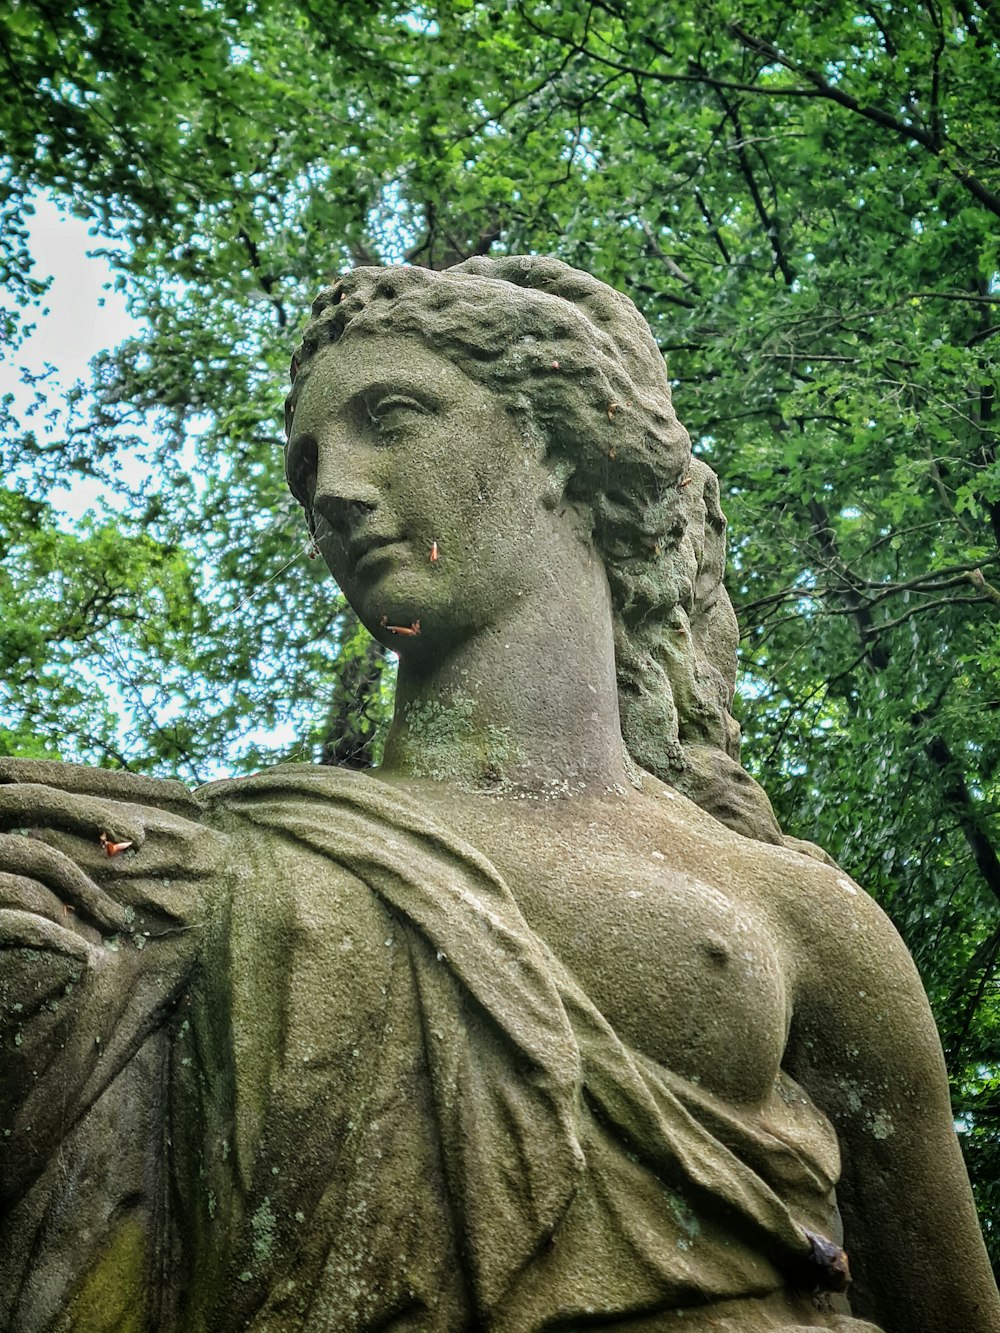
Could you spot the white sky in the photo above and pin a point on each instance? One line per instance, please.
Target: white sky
(90, 317)
(78, 317)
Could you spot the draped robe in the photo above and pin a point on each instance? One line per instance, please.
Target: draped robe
(348, 1088)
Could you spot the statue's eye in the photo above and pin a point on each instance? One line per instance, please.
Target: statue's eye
(392, 413)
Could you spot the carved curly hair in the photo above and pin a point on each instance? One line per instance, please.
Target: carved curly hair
(574, 358)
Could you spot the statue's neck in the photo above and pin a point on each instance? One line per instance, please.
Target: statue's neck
(530, 702)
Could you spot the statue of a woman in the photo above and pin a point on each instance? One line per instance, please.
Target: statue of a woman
(540, 1026)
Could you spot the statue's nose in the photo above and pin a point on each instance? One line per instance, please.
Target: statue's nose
(346, 491)
(345, 514)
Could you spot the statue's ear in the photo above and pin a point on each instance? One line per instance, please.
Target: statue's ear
(560, 470)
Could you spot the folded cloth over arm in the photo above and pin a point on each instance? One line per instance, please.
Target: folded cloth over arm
(580, 1176)
(330, 1079)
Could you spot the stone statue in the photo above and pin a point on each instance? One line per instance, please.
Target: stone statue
(543, 1025)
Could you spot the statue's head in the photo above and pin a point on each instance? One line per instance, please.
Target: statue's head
(574, 367)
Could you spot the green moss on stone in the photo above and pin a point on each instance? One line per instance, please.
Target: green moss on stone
(111, 1296)
(440, 729)
(264, 1225)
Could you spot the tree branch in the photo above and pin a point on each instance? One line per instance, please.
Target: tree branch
(905, 129)
(673, 268)
(956, 792)
(769, 221)
(713, 229)
(876, 654)
(701, 77)
(266, 280)
(883, 625)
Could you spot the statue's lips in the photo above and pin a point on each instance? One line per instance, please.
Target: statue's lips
(371, 549)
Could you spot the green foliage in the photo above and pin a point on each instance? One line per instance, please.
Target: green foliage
(805, 201)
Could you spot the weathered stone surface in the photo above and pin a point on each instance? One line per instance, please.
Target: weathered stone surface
(529, 1029)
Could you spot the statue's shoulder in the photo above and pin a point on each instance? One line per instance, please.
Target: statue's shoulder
(314, 797)
(742, 844)
(290, 781)
(115, 784)
(797, 886)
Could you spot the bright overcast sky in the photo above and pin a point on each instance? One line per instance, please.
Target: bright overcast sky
(85, 317)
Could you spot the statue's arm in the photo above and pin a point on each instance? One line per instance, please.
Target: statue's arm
(93, 947)
(865, 1046)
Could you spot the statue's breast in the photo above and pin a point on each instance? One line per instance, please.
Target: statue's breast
(666, 938)
(683, 970)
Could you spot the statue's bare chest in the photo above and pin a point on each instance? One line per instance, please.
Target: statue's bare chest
(681, 962)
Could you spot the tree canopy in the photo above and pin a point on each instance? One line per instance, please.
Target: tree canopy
(804, 201)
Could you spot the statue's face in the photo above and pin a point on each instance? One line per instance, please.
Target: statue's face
(428, 497)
